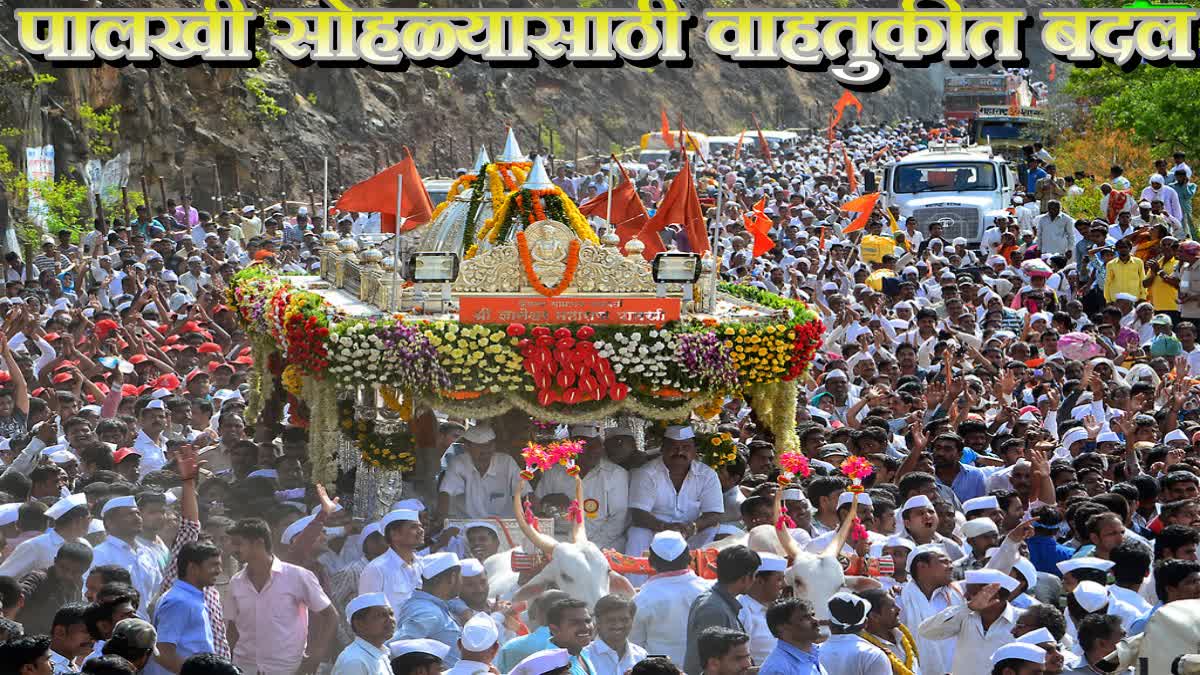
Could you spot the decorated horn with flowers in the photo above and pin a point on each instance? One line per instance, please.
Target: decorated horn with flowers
(575, 513)
(793, 463)
(857, 468)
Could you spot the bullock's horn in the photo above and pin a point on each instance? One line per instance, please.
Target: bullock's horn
(546, 544)
(843, 533)
(578, 530)
(790, 549)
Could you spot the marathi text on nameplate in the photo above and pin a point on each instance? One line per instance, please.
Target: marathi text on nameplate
(581, 310)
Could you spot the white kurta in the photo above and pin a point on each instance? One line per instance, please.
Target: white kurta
(33, 554)
(605, 661)
(660, 624)
(142, 563)
(915, 608)
(973, 646)
(154, 457)
(754, 623)
(362, 658)
(489, 495)
(651, 490)
(390, 575)
(1131, 598)
(898, 650)
(852, 655)
(605, 500)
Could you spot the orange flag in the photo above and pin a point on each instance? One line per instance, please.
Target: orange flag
(666, 129)
(863, 206)
(847, 99)
(680, 205)
(628, 213)
(738, 153)
(759, 225)
(377, 194)
(1053, 71)
(762, 141)
(849, 171)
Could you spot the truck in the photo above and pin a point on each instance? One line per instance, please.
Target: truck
(963, 188)
(963, 95)
(1000, 128)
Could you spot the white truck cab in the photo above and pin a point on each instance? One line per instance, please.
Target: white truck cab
(963, 188)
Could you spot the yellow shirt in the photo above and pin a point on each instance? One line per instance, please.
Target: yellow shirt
(1162, 295)
(1124, 277)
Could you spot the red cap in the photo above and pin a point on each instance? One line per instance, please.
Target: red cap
(193, 374)
(220, 308)
(51, 337)
(104, 327)
(190, 327)
(168, 381)
(213, 365)
(38, 392)
(210, 348)
(138, 359)
(103, 388)
(66, 364)
(172, 340)
(131, 390)
(244, 361)
(62, 377)
(120, 455)
(5, 377)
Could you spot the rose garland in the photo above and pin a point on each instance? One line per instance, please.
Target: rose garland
(793, 463)
(567, 277)
(390, 452)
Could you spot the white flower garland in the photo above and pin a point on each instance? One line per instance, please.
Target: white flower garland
(648, 358)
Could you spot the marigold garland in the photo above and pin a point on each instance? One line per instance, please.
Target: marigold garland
(390, 452)
(716, 450)
(906, 643)
(568, 274)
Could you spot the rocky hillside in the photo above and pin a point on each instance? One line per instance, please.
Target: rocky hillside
(267, 130)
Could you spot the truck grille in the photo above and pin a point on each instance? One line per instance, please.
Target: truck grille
(957, 221)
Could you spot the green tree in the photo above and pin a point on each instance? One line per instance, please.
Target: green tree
(1157, 105)
(102, 127)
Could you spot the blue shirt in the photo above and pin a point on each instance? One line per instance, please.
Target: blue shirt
(428, 616)
(514, 651)
(181, 619)
(1032, 179)
(1139, 626)
(788, 660)
(1045, 553)
(970, 483)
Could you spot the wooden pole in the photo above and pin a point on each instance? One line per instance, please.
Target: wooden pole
(162, 191)
(146, 193)
(125, 204)
(99, 207)
(341, 177)
(219, 199)
(576, 146)
(237, 186)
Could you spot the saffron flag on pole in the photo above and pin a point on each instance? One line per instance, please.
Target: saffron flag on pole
(666, 129)
(738, 153)
(762, 141)
(377, 194)
(863, 206)
(847, 99)
(628, 212)
(759, 225)
(1053, 71)
(681, 205)
(849, 170)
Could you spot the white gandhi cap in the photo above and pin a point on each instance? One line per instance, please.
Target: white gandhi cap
(1091, 596)
(366, 601)
(125, 502)
(1020, 650)
(668, 545)
(479, 633)
(979, 526)
(436, 563)
(769, 562)
(420, 646)
(981, 503)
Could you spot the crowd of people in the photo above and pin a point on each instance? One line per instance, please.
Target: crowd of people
(1028, 405)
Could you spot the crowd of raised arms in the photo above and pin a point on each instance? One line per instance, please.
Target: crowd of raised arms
(1029, 407)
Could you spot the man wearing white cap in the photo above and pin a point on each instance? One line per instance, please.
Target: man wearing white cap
(930, 590)
(605, 490)
(417, 657)
(396, 573)
(767, 586)
(480, 482)
(477, 646)
(1014, 658)
(980, 534)
(71, 519)
(123, 523)
(677, 492)
(427, 613)
(845, 651)
(981, 626)
(373, 624)
(1055, 659)
(150, 441)
(665, 599)
(474, 598)
(543, 662)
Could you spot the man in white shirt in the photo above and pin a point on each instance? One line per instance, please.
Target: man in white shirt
(150, 441)
(884, 630)
(123, 523)
(605, 490)
(929, 591)
(1157, 190)
(665, 599)
(845, 651)
(71, 519)
(478, 644)
(768, 584)
(1055, 229)
(979, 627)
(480, 483)
(373, 623)
(251, 224)
(675, 493)
(611, 653)
(396, 573)
(195, 277)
